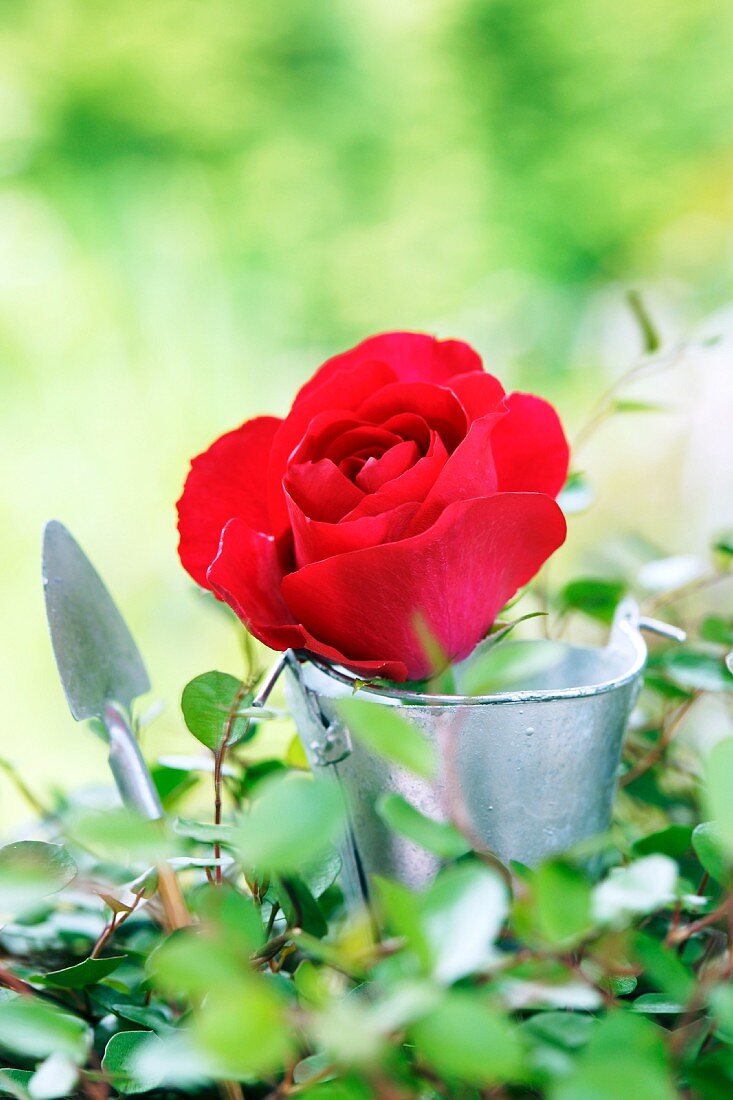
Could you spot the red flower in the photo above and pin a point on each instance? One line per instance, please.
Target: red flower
(403, 487)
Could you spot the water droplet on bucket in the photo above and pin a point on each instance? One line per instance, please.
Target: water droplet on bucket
(529, 731)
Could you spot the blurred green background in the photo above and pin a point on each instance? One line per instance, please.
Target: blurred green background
(201, 201)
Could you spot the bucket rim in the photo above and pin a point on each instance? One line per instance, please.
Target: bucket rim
(625, 629)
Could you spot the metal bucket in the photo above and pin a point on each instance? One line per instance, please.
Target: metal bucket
(526, 772)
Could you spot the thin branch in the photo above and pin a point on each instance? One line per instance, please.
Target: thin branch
(219, 757)
(681, 935)
(118, 919)
(657, 752)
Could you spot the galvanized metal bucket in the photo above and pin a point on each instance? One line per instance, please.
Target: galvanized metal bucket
(526, 772)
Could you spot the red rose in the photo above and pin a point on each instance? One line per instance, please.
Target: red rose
(403, 487)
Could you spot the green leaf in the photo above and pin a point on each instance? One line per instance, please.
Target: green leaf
(210, 703)
(721, 1003)
(694, 670)
(300, 908)
(190, 962)
(440, 837)
(151, 1017)
(718, 788)
(14, 1082)
(235, 915)
(294, 818)
(55, 1077)
(673, 841)
(593, 596)
(563, 902)
(122, 1062)
(381, 729)
(461, 916)
(624, 1057)
(121, 835)
(709, 849)
(569, 1030)
(717, 630)
(36, 1029)
(510, 667)
(31, 870)
(245, 1029)
(318, 874)
(172, 784)
(657, 1004)
(400, 911)
(465, 1039)
(665, 968)
(175, 1061)
(723, 544)
(88, 972)
(204, 832)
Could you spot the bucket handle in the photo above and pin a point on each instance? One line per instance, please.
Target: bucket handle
(330, 740)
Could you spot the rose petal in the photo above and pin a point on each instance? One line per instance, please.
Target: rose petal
(413, 485)
(413, 356)
(410, 426)
(469, 472)
(321, 490)
(478, 393)
(369, 439)
(440, 408)
(227, 480)
(376, 472)
(530, 449)
(247, 575)
(315, 540)
(321, 432)
(345, 391)
(456, 576)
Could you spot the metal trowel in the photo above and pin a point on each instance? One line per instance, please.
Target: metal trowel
(102, 672)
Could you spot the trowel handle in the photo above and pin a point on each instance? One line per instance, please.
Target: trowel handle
(138, 793)
(131, 773)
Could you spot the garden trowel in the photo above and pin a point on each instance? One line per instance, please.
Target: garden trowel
(101, 673)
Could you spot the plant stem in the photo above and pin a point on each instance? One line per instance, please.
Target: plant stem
(218, 764)
(655, 754)
(271, 920)
(219, 757)
(118, 919)
(680, 935)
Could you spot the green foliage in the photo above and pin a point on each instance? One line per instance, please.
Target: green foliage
(602, 972)
(31, 870)
(121, 1062)
(389, 735)
(594, 596)
(465, 1039)
(508, 667)
(211, 704)
(719, 774)
(440, 837)
(36, 1029)
(294, 818)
